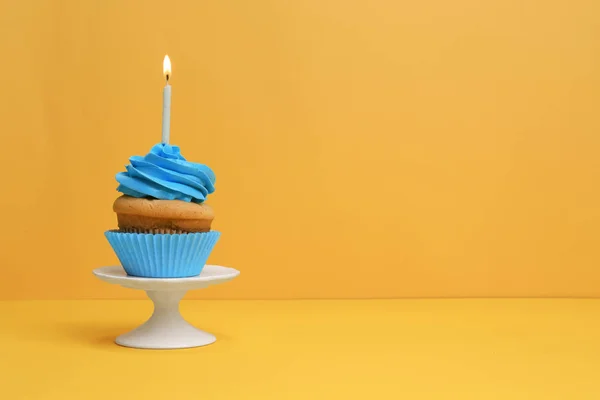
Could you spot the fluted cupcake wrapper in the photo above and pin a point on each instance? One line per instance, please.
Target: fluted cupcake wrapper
(162, 255)
(155, 231)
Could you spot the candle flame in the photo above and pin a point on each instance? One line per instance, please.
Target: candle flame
(167, 67)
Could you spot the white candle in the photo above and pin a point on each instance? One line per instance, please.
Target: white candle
(166, 116)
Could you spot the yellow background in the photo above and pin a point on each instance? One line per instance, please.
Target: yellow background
(430, 349)
(362, 148)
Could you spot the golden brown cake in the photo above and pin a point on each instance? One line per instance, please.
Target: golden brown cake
(140, 215)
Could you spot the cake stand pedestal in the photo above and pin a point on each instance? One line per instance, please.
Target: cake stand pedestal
(166, 328)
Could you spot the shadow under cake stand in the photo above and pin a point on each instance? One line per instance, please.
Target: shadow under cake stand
(166, 328)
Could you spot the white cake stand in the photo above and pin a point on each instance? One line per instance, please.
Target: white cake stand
(166, 328)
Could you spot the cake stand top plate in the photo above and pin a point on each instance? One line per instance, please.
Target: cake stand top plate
(210, 275)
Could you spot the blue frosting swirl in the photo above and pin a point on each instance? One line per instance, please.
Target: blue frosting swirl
(166, 175)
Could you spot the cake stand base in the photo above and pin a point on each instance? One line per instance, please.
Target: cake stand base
(166, 328)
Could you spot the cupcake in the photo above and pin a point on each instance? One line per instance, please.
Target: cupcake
(164, 224)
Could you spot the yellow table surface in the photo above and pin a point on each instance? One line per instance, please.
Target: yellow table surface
(375, 349)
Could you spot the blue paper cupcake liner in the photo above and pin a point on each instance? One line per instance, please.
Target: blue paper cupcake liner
(152, 255)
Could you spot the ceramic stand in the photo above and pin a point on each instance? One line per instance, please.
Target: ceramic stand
(166, 328)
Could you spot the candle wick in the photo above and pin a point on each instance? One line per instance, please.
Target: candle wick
(167, 78)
